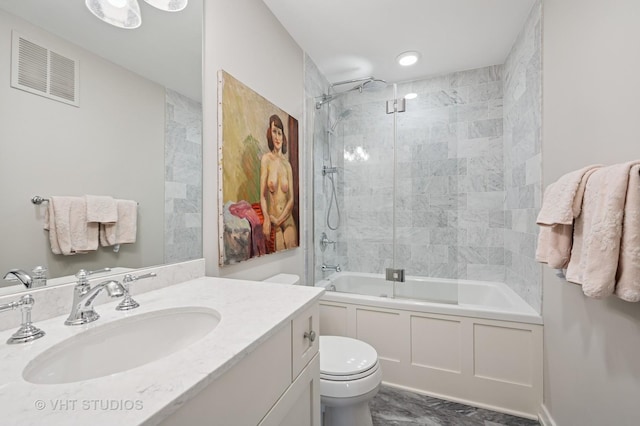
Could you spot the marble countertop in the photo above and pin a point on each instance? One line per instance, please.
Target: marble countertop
(250, 312)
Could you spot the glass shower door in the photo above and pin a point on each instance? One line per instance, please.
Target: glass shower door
(426, 199)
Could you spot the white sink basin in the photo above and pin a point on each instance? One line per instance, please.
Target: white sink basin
(121, 345)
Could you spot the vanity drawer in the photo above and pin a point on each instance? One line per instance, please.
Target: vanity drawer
(305, 339)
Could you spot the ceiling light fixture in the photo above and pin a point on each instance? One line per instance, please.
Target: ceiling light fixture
(168, 5)
(411, 96)
(408, 58)
(126, 13)
(119, 13)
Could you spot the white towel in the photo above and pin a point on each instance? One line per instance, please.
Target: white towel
(58, 228)
(628, 274)
(69, 232)
(103, 209)
(124, 230)
(598, 231)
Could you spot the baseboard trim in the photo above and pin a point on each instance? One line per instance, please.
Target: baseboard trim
(545, 417)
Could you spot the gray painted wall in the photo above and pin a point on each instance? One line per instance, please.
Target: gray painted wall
(262, 55)
(591, 64)
(113, 144)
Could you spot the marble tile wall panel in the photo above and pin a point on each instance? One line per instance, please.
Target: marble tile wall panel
(522, 130)
(183, 178)
(323, 154)
(449, 160)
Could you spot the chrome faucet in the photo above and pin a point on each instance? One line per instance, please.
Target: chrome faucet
(336, 268)
(82, 311)
(21, 275)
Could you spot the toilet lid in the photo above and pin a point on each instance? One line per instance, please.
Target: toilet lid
(343, 356)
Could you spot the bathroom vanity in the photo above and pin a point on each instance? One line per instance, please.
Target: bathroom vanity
(277, 384)
(254, 360)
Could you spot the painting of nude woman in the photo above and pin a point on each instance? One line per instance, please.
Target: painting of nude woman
(258, 176)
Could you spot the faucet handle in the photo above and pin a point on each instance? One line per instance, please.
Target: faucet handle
(27, 331)
(83, 275)
(128, 303)
(130, 278)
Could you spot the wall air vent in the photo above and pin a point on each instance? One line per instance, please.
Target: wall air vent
(42, 71)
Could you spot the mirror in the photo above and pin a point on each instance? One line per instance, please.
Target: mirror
(136, 134)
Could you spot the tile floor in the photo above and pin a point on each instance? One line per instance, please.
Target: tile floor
(402, 408)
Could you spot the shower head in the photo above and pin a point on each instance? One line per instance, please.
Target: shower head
(367, 83)
(344, 114)
(373, 84)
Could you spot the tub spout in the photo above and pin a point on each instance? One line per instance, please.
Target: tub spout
(336, 268)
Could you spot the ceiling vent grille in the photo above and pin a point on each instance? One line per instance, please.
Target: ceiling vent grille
(39, 70)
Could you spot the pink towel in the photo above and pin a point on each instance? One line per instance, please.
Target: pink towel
(124, 230)
(598, 231)
(101, 209)
(562, 199)
(628, 274)
(562, 202)
(69, 232)
(554, 245)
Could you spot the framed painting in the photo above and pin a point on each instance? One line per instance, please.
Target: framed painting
(258, 194)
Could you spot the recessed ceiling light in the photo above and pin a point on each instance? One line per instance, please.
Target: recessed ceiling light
(411, 96)
(408, 58)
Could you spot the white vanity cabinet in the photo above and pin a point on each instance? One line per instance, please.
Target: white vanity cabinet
(275, 384)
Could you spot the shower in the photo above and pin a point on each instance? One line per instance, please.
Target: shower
(328, 171)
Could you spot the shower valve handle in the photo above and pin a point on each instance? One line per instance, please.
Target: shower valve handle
(324, 242)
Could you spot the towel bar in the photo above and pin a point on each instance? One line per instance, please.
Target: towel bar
(36, 199)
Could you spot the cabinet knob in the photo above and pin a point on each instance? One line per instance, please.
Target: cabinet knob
(311, 335)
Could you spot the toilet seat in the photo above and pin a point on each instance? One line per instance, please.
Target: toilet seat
(348, 367)
(344, 356)
(345, 378)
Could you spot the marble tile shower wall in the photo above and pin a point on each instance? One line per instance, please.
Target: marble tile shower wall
(316, 85)
(450, 178)
(183, 178)
(522, 141)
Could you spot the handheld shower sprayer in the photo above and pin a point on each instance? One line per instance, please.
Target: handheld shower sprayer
(344, 114)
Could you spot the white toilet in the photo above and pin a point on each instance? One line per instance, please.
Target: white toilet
(350, 375)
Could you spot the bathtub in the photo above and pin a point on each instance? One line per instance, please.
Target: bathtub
(472, 342)
(481, 299)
